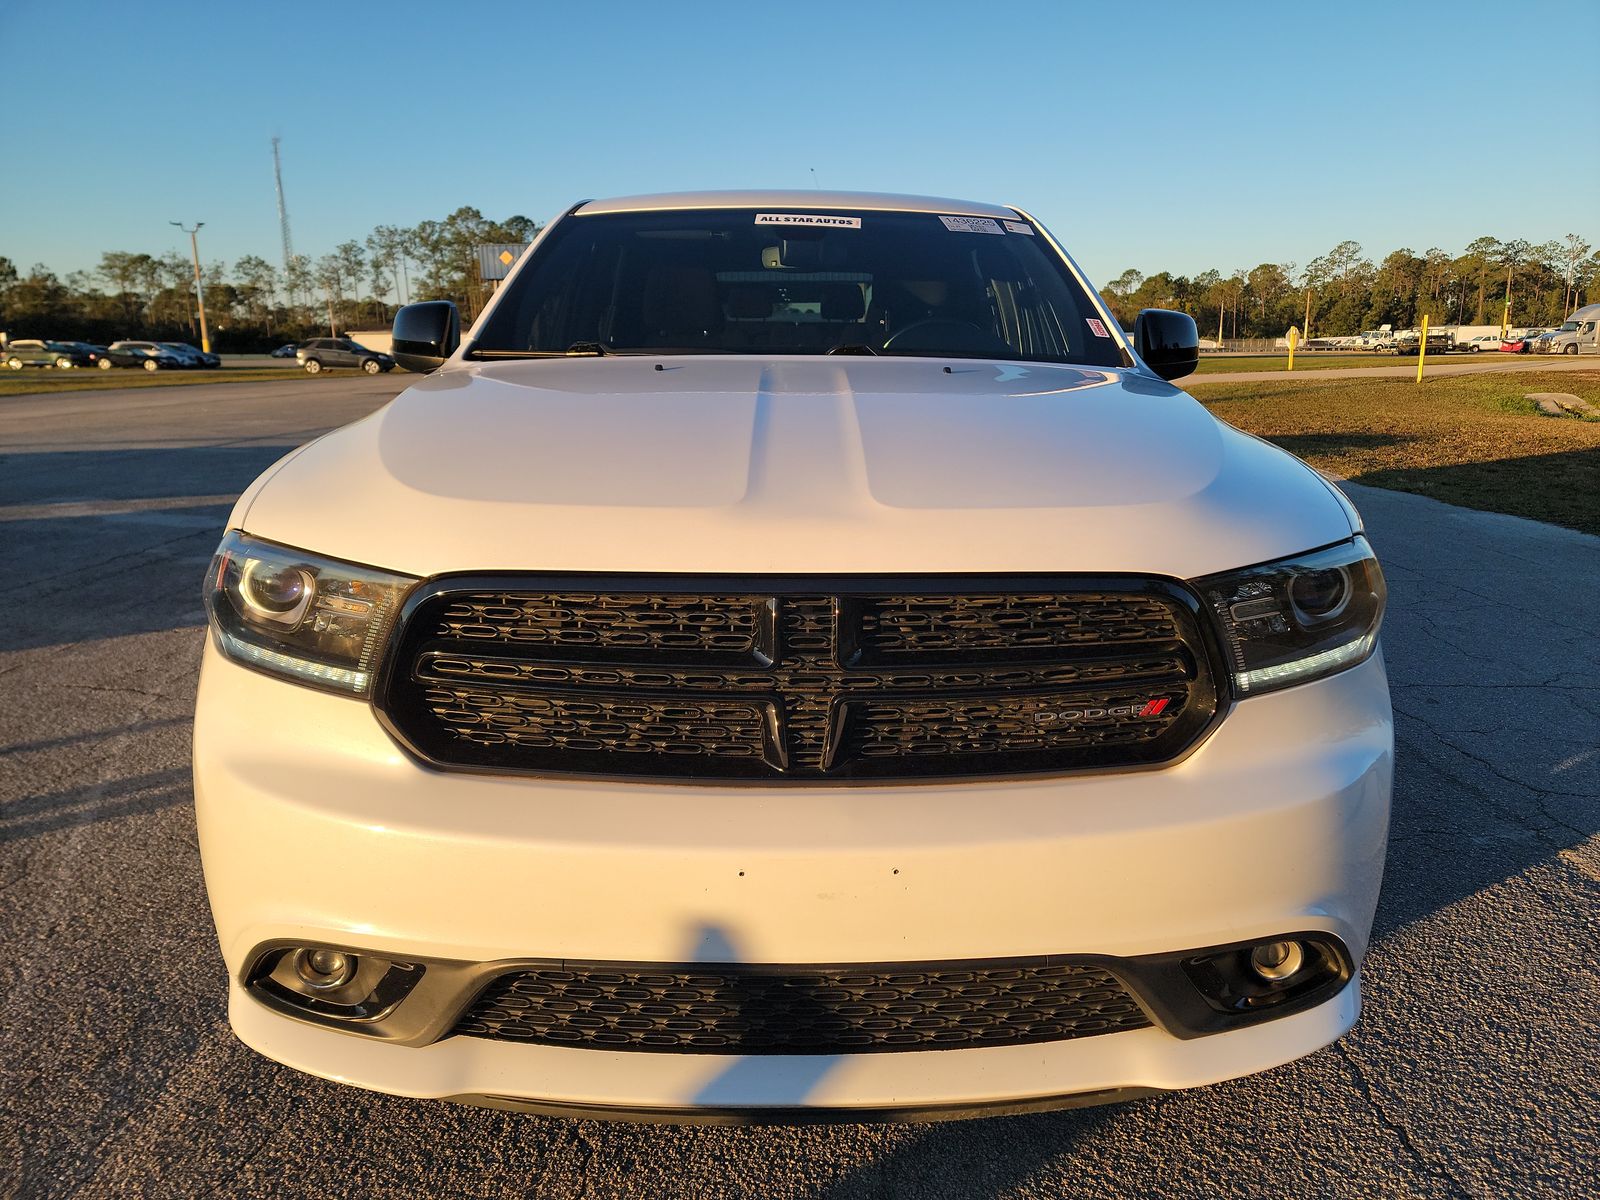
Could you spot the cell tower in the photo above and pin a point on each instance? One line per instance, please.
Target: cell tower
(283, 210)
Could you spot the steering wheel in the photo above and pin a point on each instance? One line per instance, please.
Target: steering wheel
(947, 333)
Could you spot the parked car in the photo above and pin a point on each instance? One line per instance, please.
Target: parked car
(321, 353)
(1484, 341)
(673, 707)
(148, 355)
(1521, 343)
(286, 351)
(95, 354)
(29, 352)
(193, 354)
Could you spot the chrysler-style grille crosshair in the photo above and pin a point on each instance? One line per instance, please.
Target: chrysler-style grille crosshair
(799, 679)
(714, 1009)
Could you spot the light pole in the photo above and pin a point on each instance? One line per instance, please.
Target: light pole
(199, 294)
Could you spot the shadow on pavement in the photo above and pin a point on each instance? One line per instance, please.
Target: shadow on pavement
(1494, 668)
(106, 800)
(972, 1159)
(1562, 489)
(137, 474)
(79, 577)
(79, 739)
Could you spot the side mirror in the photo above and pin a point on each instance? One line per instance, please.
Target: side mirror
(426, 334)
(1168, 342)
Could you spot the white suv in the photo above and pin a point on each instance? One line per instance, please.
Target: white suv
(795, 659)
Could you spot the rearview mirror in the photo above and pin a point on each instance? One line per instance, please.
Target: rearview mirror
(1168, 342)
(427, 333)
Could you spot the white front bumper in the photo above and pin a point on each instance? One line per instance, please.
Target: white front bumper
(315, 826)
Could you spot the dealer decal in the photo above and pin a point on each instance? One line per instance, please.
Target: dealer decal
(1096, 328)
(1019, 227)
(972, 225)
(827, 222)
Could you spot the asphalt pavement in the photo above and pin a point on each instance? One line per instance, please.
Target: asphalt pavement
(1474, 1072)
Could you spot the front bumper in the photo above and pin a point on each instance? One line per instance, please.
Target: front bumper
(315, 827)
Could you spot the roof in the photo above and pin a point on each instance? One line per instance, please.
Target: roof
(788, 198)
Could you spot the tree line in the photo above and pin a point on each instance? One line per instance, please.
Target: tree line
(1344, 292)
(254, 304)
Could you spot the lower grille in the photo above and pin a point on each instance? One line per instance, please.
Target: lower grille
(716, 1009)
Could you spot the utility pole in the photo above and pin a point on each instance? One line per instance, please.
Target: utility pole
(1505, 317)
(1307, 324)
(283, 216)
(199, 293)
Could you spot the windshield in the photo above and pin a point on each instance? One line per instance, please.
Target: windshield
(738, 281)
(1568, 327)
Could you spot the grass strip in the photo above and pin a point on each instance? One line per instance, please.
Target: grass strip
(47, 381)
(1211, 364)
(1472, 440)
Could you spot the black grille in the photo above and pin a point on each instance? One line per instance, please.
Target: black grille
(716, 1009)
(799, 679)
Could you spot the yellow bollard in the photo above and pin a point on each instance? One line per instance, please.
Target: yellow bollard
(1294, 336)
(1422, 347)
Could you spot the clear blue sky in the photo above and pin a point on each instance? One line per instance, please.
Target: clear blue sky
(1158, 135)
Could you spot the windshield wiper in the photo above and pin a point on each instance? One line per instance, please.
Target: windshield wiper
(479, 352)
(853, 348)
(597, 350)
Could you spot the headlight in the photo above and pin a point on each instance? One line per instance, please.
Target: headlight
(306, 618)
(1299, 619)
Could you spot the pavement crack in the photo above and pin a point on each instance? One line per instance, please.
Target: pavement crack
(1537, 794)
(124, 691)
(1397, 1127)
(587, 1149)
(101, 564)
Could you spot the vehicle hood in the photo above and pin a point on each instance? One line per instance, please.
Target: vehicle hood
(720, 464)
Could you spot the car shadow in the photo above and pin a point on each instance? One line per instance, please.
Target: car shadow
(1309, 445)
(1494, 670)
(1565, 492)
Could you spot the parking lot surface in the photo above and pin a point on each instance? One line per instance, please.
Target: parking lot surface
(1474, 1072)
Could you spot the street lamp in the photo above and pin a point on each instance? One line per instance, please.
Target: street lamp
(199, 294)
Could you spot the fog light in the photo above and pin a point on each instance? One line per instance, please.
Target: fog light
(325, 970)
(1256, 980)
(328, 984)
(1277, 961)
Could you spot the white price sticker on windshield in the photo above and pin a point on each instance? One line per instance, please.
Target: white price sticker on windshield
(827, 222)
(972, 225)
(1019, 227)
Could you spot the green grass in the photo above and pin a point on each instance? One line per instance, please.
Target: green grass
(1212, 364)
(1472, 440)
(48, 380)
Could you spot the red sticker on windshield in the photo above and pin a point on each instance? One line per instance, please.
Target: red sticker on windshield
(1096, 328)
